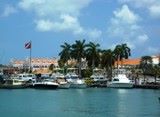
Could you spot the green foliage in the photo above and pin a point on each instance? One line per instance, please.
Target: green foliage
(146, 64)
(107, 59)
(51, 67)
(61, 63)
(122, 52)
(78, 50)
(65, 54)
(86, 73)
(93, 55)
(89, 81)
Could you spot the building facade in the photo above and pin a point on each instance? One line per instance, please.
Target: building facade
(37, 64)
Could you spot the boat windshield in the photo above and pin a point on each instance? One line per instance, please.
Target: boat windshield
(115, 79)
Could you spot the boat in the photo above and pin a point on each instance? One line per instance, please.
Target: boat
(45, 84)
(75, 81)
(14, 83)
(98, 78)
(26, 77)
(120, 81)
(61, 80)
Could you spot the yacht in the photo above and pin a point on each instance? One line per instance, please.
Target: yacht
(14, 83)
(26, 77)
(120, 81)
(45, 84)
(75, 81)
(61, 80)
(98, 78)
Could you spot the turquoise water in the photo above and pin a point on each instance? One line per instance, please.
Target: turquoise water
(91, 102)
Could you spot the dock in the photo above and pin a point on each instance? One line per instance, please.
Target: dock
(147, 86)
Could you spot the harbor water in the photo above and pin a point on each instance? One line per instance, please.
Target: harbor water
(90, 102)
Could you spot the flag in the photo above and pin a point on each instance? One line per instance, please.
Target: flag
(28, 45)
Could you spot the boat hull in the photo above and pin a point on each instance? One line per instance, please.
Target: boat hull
(120, 85)
(64, 86)
(13, 86)
(81, 86)
(45, 85)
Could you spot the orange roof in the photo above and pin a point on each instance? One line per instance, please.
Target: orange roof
(129, 62)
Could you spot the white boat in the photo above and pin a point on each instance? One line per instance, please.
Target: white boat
(120, 81)
(98, 78)
(60, 79)
(46, 84)
(75, 81)
(98, 75)
(14, 83)
(26, 77)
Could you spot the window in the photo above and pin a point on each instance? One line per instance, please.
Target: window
(115, 79)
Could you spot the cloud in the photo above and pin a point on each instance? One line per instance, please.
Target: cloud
(124, 25)
(8, 10)
(126, 15)
(155, 11)
(59, 16)
(54, 7)
(152, 6)
(66, 23)
(44, 25)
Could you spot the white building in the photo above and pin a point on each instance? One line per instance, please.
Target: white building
(36, 63)
(156, 60)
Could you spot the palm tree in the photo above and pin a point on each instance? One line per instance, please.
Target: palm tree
(121, 52)
(92, 54)
(126, 52)
(78, 52)
(118, 54)
(107, 60)
(146, 65)
(51, 67)
(65, 54)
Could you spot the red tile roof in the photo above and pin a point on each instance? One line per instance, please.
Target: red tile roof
(129, 62)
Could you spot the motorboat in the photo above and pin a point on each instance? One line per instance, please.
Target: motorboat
(120, 81)
(45, 84)
(61, 80)
(75, 81)
(98, 78)
(26, 77)
(14, 83)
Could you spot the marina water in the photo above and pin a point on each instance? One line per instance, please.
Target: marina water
(91, 102)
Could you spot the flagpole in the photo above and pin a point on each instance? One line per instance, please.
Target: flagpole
(30, 61)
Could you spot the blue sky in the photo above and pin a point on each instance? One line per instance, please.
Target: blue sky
(50, 23)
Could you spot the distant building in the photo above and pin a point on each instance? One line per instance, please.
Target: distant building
(156, 60)
(136, 62)
(128, 62)
(38, 64)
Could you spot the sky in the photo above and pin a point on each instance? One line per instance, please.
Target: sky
(50, 23)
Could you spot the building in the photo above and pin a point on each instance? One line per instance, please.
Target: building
(136, 61)
(128, 63)
(156, 60)
(38, 65)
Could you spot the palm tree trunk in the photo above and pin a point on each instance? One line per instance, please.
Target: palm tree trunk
(93, 65)
(144, 78)
(121, 62)
(117, 62)
(155, 79)
(79, 67)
